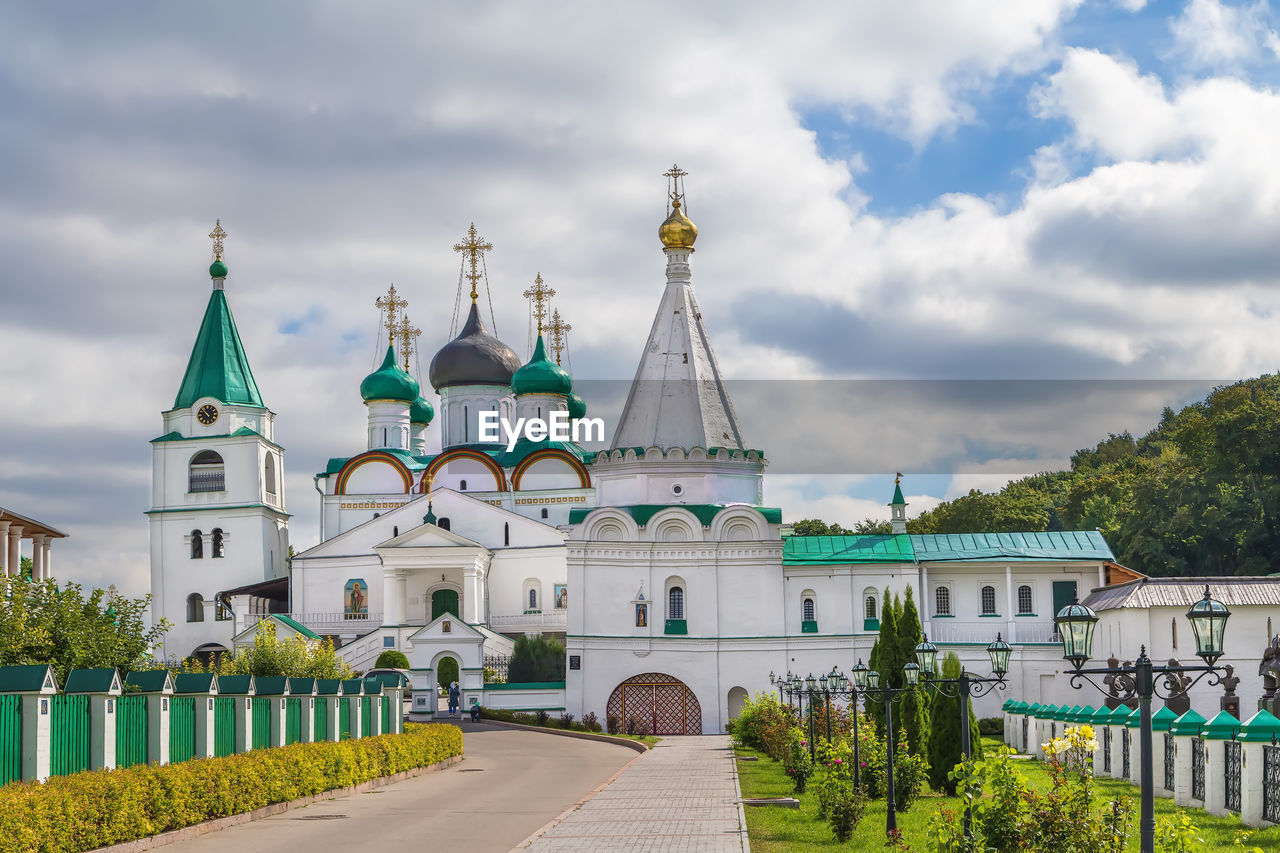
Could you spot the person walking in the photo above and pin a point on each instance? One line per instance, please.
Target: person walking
(453, 699)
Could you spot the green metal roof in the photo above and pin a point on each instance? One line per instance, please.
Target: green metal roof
(1083, 714)
(218, 367)
(1259, 728)
(1162, 719)
(1134, 718)
(302, 686)
(704, 512)
(272, 685)
(541, 375)
(1119, 716)
(329, 686)
(1101, 717)
(236, 684)
(373, 686)
(195, 682)
(1223, 726)
(389, 382)
(1189, 723)
(898, 499)
(28, 678)
(880, 548)
(150, 681)
(296, 625)
(242, 432)
(1057, 545)
(97, 680)
(353, 687)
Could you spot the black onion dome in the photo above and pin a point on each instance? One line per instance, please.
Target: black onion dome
(474, 357)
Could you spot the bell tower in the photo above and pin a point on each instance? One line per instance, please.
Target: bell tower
(218, 519)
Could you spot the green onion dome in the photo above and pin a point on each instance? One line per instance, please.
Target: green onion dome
(389, 382)
(577, 408)
(421, 412)
(541, 375)
(217, 269)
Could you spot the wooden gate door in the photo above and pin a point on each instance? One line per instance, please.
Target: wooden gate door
(658, 704)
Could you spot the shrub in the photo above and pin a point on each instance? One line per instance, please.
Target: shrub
(541, 717)
(93, 809)
(945, 735)
(613, 724)
(536, 659)
(590, 722)
(991, 726)
(845, 808)
(910, 774)
(764, 724)
(392, 659)
(294, 656)
(798, 763)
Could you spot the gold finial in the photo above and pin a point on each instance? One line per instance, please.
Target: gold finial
(898, 479)
(540, 296)
(677, 231)
(217, 235)
(391, 304)
(471, 249)
(558, 329)
(406, 332)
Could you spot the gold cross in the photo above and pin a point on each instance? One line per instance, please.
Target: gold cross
(540, 296)
(217, 235)
(391, 304)
(471, 249)
(406, 332)
(674, 174)
(558, 330)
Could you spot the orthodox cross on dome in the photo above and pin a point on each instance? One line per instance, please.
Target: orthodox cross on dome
(217, 235)
(406, 332)
(558, 330)
(471, 249)
(540, 296)
(675, 184)
(391, 304)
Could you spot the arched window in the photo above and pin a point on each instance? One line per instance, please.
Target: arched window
(222, 610)
(675, 603)
(942, 601)
(206, 473)
(217, 542)
(1024, 599)
(197, 545)
(807, 610)
(443, 523)
(869, 607)
(988, 601)
(506, 533)
(195, 607)
(269, 475)
(533, 599)
(462, 485)
(545, 514)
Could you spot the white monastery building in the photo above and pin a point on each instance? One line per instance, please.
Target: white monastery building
(674, 585)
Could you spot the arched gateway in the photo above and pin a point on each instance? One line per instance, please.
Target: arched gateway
(658, 704)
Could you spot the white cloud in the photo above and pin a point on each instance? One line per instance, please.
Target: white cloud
(1212, 34)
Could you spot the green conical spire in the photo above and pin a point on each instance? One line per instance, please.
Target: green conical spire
(898, 499)
(218, 367)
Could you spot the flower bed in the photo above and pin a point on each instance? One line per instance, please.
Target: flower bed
(83, 811)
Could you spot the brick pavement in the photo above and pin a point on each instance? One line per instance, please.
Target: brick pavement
(682, 796)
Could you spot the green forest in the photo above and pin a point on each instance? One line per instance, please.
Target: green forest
(1197, 495)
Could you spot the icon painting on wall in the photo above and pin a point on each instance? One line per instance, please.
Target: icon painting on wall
(642, 614)
(561, 596)
(355, 599)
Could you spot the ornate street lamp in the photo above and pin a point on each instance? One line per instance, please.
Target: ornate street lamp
(1208, 618)
(838, 685)
(868, 681)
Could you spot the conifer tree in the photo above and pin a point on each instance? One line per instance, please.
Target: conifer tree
(881, 659)
(944, 734)
(915, 706)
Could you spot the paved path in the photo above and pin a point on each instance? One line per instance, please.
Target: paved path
(511, 783)
(681, 796)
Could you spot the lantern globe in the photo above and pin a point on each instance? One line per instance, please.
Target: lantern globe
(873, 679)
(1208, 618)
(911, 670)
(860, 675)
(811, 683)
(927, 656)
(999, 652)
(1075, 623)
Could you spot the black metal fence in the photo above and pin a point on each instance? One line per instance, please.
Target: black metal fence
(1197, 768)
(1124, 747)
(495, 668)
(1170, 753)
(1271, 783)
(1106, 750)
(1231, 774)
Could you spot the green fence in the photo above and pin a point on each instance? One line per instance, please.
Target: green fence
(68, 734)
(366, 715)
(182, 728)
(224, 726)
(344, 719)
(293, 720)
(321, 721)
(261, 723)
(386, 714)
(10, 739)
(131, 730)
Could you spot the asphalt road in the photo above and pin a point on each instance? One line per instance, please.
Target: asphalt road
(511, 783)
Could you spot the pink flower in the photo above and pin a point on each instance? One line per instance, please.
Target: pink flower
(838, 761)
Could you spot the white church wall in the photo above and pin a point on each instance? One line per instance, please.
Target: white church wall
(376, 477)
(230, 418)
(509, 572)
(463, 474)
(557, 503)
(549, 474)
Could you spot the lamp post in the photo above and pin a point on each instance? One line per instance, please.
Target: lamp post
(963, 687)
(838, 685)
(867, 681)
(1208, 619)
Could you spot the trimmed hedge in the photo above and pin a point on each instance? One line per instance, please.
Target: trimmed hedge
(68, 814)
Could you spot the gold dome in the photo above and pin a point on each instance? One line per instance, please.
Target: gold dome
(678, 231)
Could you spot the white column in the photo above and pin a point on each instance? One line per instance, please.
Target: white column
(278, 711)
(205, 733)
(375, 724)
(926, 606)
(36, 714)
(244, 723)
(1184, 745)
(308, 718)
(1215, 782)
(15, 549)
(157, 728)
(1012, 606)
(1117, 751)
(6, 568)
(1099, 762)
(44, 553)
(333, 726)
(395, 592)
(1251, 783)
(37, 557)
(1135, 757)
(102, 741)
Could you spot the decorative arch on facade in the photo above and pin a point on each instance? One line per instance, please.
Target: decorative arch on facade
(584, 478)
(656, 703)
(738, 524)
(610, 525)
(674, 525)
(499, 479)
(373, 456)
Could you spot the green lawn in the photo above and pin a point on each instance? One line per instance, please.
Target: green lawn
(779, 830)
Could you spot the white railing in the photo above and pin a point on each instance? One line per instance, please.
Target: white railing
(1035, 632)
(949, 631)
(545, 619)
(329, 623)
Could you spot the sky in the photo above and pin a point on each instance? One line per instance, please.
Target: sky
(1000, 230)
